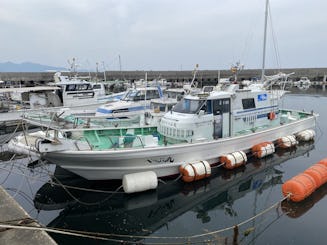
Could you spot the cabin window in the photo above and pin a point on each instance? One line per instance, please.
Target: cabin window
(130, 95)
(209, 106)
(248, 103)
(139, 96)
(70, 87)
(97, 86)
(221, 106)
(188, 106)
(207, 89)
(84, 87)
(226, 105)
(152, 94)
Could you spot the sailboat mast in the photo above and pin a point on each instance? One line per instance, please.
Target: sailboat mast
(121, 76)
(264, 42)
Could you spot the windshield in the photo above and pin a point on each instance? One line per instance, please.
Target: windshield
(188, 106)
(134, 95)
(137, 95)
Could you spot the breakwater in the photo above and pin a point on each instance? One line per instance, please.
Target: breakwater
(205, 76)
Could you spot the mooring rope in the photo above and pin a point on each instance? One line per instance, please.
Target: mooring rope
(54, 183)
(96, 235)
(6, 139)
(85, 203)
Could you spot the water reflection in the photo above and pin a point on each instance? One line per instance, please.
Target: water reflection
(144, 214)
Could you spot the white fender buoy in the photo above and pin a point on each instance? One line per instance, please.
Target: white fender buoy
(195, 171)
(137, 182)
(233, 160)
(306, 135)
(287, 141)
(263, 149)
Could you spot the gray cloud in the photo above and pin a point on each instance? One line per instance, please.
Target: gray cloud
(162, 34)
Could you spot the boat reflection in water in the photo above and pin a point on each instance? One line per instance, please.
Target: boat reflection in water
(143, 214)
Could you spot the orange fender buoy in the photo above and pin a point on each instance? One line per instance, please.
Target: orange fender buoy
(263, 149)
(287, 141)
(195, 171)
(323, 162)
(319, 173)
(295, 210)
(233, 160)
(271, 115)
(299, 187)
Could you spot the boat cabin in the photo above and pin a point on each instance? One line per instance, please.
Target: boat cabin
(78, 91)
(219, 114)
(134, 101)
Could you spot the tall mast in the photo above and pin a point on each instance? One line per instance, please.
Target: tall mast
(120, 67)
(264, 42)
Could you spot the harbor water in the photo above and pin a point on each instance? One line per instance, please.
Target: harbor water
(242, 206)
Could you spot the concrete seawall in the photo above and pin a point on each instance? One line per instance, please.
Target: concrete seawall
(314, 74)
(12, 214)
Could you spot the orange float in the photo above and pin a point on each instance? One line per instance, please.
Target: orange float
(302, 185)
(295, 210)
(323, 162)
(319, 173)
(263, 149)
(195, 171)
(233, 160)
(287, 141)
(271, 115)
(299, 187)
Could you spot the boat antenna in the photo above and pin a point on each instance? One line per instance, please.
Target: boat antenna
(194, 74)
(238, 67)
(121, 74)
(264, 42)
(97, 70)
(104, 71)
(146, 81)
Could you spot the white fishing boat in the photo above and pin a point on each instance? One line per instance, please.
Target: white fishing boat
(200, 131)
(77, 91)
(70, 94)
(304, 83)
(133, 102)
(145, 213)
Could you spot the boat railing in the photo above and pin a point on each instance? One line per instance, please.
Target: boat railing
(116, 142)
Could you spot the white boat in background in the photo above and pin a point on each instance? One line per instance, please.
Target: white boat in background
(134, 101)
(304, 83)
(78, 91)
(15, 101)
(72, 95)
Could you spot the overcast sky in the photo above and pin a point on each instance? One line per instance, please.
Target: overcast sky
(163, 34)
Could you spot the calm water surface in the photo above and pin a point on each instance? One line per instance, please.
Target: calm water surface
(178, 212)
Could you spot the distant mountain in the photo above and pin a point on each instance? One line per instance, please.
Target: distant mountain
(27, 67)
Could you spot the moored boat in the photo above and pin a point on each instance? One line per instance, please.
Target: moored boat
(144, 213)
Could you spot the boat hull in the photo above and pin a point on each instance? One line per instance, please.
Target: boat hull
(165, 160)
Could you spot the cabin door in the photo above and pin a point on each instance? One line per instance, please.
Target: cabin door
(221, 113)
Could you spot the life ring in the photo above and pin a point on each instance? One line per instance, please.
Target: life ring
(271, 115)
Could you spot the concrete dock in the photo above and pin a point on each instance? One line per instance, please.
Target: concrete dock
(12, 213)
